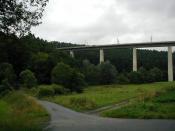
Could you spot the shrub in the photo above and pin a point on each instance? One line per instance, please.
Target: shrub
(122, 79)
(156, 74)
(45, 91)
(107, 73)
(7, 73)
(68, 77)
(90, 72)
(27, 79)
(58, 89)
(144, 75)
(135, 77)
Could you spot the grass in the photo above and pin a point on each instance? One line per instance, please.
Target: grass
(19, 112)
(162, 106)
(98, 96)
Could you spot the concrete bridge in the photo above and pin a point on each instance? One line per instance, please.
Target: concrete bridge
(134, 46)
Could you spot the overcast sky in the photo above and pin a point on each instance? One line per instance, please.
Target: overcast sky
(103, 21)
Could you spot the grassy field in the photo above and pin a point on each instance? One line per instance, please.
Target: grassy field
(98, 96)
(19, 112)
(162, 106)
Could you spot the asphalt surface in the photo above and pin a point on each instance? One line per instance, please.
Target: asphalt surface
(63, 119)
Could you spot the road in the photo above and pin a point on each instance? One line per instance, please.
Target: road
(63, 119)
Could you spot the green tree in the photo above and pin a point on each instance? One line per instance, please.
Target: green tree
(42, 67)
(68, 77)
(156, 74)
(17, 16)
(122, 79)
(90, 72)
(107, 73)
(144, 75)
(135, 77)
(27, 79)
(7, 73)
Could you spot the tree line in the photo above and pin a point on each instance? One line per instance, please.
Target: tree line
(28, 61)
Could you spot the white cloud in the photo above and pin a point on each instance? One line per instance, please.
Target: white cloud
(102, 21)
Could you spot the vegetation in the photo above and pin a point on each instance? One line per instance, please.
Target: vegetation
(161, 106)
(27, 79)
(70, 78)
(17, 16)
(111, 94)
(19, 112)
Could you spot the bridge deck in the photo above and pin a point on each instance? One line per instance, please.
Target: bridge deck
(126, 45)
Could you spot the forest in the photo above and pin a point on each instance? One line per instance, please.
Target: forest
(30, 58)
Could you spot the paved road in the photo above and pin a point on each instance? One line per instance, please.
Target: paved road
(63, 119)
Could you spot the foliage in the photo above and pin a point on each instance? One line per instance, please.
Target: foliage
(7, 76)
(28, 79)
(107, 73)
(135, 77)
(58, 89)
(90, 72)
(112, 94)
(46, 91)
(42, 67)
(50, 90)
(68, 77)
(156, 74)
(158, 107)
(19, 112)
(122, 79)
(18, 16)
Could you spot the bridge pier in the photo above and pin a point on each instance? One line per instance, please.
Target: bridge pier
(170, 64)
(72, 53)
(101, 56)
(134, 59)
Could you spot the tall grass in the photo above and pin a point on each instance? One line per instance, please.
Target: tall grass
(20, 112)
(110, 94)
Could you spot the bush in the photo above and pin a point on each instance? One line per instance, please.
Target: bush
(90, 72)
(58, 89)
(144, 75)
(156, 74)
(45, 91)
(27, 79)
(107, 73)
(135, 77)
(7, 74)
(122, 79)
(68, 77)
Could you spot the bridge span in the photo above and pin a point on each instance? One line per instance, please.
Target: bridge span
(134, 46)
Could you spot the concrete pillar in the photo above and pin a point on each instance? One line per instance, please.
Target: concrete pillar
(170, 64)
(101, 56)
(71, 53)
(134, 59)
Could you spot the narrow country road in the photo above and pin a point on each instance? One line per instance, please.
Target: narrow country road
(63, 119)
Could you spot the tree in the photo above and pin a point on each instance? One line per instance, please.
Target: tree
(122, 79)
(135, 77)
(42, 67)
(17, 16)
(7, 73)
(156, 74)
(107, 73)
(27, 79)
(7, 77)
(91, 72)
(68, 77)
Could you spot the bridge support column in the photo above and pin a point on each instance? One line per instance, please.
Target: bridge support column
(170, 64)
(71, 53)
(134, 59)
(101, 56)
